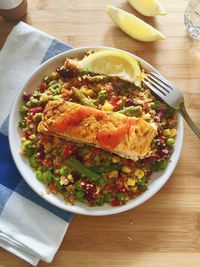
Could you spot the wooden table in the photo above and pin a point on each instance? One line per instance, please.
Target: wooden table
(164, 231)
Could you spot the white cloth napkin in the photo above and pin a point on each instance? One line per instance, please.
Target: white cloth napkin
(30, 227)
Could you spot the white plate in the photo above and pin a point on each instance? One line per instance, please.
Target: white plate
(157, 180)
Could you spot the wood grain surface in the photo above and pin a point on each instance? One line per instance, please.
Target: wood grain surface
(164, 231)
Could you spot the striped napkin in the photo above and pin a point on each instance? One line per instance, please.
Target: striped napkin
(30, 227)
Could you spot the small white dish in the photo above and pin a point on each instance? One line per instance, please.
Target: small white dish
(156, 182)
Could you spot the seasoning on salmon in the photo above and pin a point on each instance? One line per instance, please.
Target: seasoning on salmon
(129, 137)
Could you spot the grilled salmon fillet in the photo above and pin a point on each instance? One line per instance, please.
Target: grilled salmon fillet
(129, 137)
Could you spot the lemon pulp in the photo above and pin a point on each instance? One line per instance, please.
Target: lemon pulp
(113, 63)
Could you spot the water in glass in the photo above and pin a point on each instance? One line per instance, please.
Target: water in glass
(192, 18)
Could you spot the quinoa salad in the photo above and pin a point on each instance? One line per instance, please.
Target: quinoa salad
(82, 172)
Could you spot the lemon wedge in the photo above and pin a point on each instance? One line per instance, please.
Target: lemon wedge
(148, 8)
(133, 26)
(113, 63)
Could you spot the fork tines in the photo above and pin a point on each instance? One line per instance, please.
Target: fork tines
(157, 84)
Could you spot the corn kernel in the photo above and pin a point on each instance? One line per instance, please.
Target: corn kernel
(23, 139)
(115, 159)
(89, 92)
(173, 132)
(130, 182)
(107, 107)
(113, 174)
(65, 85)
(98, 189)
(54, 75)
(32, 136)
(63, 90)
(146, 117)
(134, 189)
(126, 169)
(139, 173)
(83, 89)
(166, 132)
(70, 178)
(44, 97)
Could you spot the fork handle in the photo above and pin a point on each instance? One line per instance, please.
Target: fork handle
(189, 121)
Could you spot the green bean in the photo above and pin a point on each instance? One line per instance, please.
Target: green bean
(82, 98)
(104, 169)
(80, 168)
(101, 98)
(131, 111)
(57, 182)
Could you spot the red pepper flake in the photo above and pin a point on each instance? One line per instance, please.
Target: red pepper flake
(42, 86)
(68, 151)
(115, 202)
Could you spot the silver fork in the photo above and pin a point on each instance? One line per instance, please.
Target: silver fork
(171, 95)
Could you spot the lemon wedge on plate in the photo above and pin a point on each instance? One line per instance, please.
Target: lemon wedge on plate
(148, 8)
(113, 63)
(133, 26)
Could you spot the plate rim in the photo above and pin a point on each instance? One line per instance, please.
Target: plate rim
(74, 208)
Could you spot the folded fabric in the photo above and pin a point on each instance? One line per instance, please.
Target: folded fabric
(30, 227)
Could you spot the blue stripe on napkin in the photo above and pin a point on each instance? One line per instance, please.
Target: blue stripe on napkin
(55, 48)
(10, 178)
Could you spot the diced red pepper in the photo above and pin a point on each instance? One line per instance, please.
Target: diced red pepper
(68, 151)
(95, 151)
(115, 202)
(145, 107)
(36, 110)
(27, 134)
(114, 101)
(67, 94)
(42, 86)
